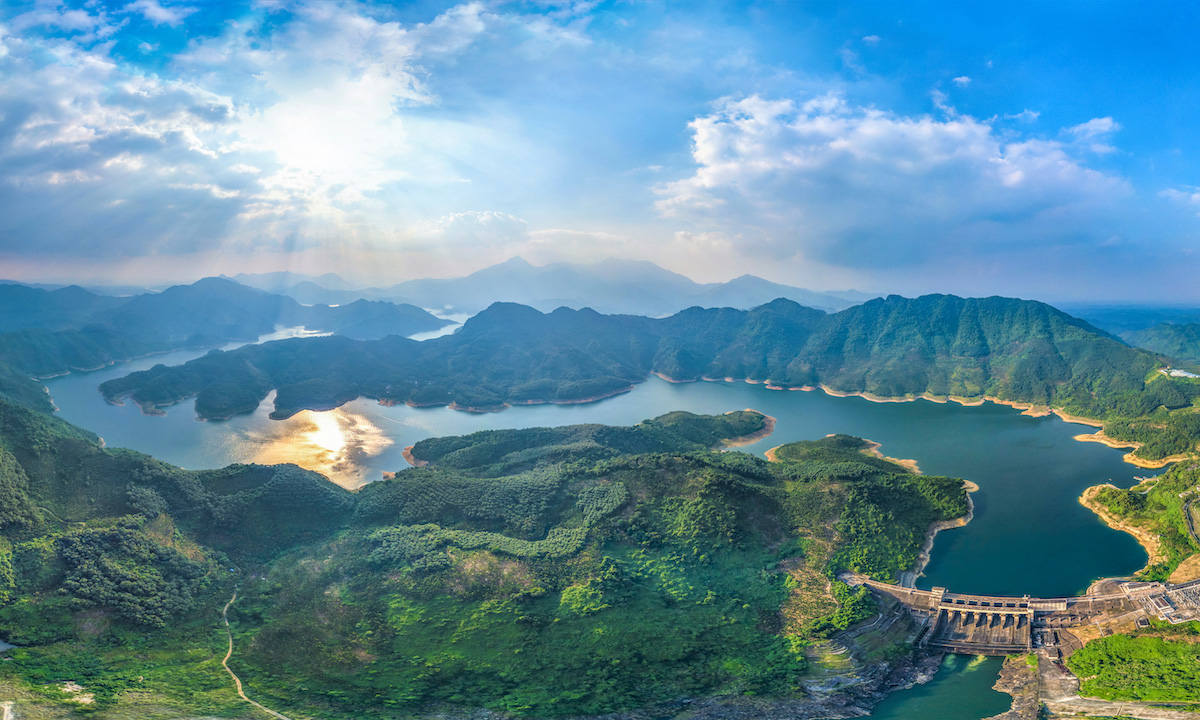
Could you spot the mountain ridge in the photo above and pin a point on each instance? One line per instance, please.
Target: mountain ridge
(613, 286)
(936, 345)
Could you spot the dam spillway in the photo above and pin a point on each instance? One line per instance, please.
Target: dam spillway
(999, 625)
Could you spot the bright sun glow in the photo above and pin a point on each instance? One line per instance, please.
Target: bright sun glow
(334, 443)
(327, 432)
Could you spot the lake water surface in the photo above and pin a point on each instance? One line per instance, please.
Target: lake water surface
(1029, 534)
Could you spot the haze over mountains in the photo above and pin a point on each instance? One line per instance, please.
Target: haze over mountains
(44, 332)
(622, 287)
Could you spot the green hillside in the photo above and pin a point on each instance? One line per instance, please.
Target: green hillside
(514, 564)
(49, 333)
(1178, 341)
(939, 345)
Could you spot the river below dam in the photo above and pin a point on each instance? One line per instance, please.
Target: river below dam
(1029, 534)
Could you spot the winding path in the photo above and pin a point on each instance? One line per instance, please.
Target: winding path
(1190, 519)
(225, 664)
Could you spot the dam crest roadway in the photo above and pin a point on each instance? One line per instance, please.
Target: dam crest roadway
(1054, 627)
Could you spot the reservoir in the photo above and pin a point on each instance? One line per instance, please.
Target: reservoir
(1029, 535)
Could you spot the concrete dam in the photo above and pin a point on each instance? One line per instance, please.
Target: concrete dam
(999, 625)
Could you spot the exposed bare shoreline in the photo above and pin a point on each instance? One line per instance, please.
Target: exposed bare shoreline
(1030, 409)
(908, 578)
(767, 429)
(407, 453)
(1100, 437)
(872, 449)
(1148, 540)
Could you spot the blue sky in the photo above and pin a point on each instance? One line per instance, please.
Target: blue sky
(1033, 149)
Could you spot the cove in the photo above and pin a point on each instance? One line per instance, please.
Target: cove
(1029, 534)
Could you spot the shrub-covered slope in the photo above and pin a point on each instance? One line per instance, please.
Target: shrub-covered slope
(940, 345)
(1178, 341)
(514, 565)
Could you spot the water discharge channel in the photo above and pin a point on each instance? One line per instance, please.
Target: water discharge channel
(1029, 534)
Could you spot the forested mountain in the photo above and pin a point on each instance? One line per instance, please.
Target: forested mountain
(216, 310)
(633, 557)
(72, 329)
(1180, 342)
(24, 308)
(938, 345)
(611, 286)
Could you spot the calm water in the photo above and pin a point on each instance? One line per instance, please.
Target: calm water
(962, 690)
(1029, 535)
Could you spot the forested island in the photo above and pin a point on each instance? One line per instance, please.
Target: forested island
(936, 346)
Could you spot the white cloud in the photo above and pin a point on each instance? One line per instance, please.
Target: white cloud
(1094, 134)
(962, 81)
(127, 153)
(871, 40)
(1025, 116)
(159, 14)
(1094, 128)
(1188, 196)
(862, 186)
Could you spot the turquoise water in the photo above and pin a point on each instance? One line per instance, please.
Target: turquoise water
(1029, 535)
(962, 690)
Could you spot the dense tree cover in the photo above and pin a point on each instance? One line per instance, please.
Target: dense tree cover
(653, 574)
(122, 568)
(1180, 341)
(48, 333)
(1161, 509)
(1016, 350)
(883, 510)
(1150, 669)
(502, 451)
(548, 572)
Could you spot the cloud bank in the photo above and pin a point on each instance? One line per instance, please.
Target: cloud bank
(859, 186)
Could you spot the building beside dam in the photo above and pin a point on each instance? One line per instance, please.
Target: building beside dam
(999, 625)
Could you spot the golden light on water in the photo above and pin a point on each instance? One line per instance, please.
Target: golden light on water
(334, 443)
(327, 432)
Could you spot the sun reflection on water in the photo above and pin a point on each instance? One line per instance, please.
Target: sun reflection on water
(334, 443)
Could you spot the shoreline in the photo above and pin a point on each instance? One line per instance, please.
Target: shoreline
(869, 448)
(1148, 540)
(1129, 457)
(909, 578)
(766, 431)
(872, 449)
(1030, 409)
(407, 453)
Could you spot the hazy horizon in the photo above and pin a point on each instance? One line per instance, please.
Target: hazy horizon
(1028, 150)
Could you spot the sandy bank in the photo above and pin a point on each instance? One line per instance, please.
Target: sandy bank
(872, 449)
(407, 453)
(1129, 457)
(1030, 409)
(767, 429)
(908, 578)
(1148, 540)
